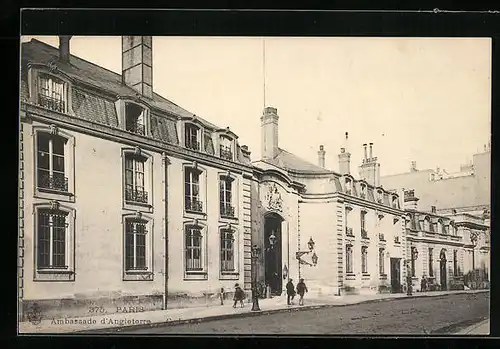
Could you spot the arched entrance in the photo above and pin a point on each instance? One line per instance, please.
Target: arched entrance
(442, 269)
(273, 252)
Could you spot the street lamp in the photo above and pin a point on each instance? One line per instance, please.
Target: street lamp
(410, 270)
(314, 257)
(473, 240)
(255, 256)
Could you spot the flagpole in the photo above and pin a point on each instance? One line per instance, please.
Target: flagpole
(264, 70)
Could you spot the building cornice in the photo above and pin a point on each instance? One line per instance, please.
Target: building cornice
(413, 238)
(118, 135)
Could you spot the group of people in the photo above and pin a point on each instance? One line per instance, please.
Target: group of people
(291, 292)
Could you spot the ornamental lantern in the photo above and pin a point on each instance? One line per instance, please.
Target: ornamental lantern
(311, 244)
(272, 239)
(314, 259)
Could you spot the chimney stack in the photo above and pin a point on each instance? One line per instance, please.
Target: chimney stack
(321, 156)
(371, 151)
(269, 133)
(370, 168)
(345, 158)
(410, 200)
(137, 64)
(366, 155)
(64, 48)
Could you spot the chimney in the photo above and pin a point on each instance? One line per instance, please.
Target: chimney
(269, 132)
(370, 168)
(321, 156)
(137, 64)
(64, 48)
(433, 209)
(345, 158)
(410, 200)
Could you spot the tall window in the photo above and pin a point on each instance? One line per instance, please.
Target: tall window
(192, 190)
(191, 137)
(52, 235)
(381, 261)
(348, 259)
(431, 270)
(225, 193)
(364, 233)
(225, 148)
(363, 191)
(134, 119)
(427, 224)
(380, 196)
(412, 254)
(51, 93)
(135, 244)
(455, 263)
(193, 248)
(134, 179)
(50, 162)
(348, 186)
(364, 259)
(227, 250)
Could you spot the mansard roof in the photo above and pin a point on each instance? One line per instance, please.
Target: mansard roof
(292, 162)
(98, 77)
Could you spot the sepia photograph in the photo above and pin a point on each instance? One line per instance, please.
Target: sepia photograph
(254, 185)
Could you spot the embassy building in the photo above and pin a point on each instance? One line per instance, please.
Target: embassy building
(129, 200)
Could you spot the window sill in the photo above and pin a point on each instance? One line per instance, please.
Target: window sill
(138, 275)
(350, 276)
(228, 218)
(195, 275)
(138, 206)
(226, 275)
(54, 275)
(49, 194)
(193, 214)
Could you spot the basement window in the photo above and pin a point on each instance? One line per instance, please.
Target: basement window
(135, 119)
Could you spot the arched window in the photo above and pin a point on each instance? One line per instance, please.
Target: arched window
(52, 93)
(226, 148)
(192, 137)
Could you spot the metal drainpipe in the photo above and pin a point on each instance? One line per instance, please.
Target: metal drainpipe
(165, 180)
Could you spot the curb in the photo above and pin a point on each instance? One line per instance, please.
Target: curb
(258, 313)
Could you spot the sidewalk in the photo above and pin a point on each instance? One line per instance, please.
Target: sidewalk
(116, 322)
(481, 328)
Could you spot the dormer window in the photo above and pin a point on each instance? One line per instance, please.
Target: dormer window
(192, 139)
(363, 191)
(395, 203)
(135, 119)
(379, 196)
(225, 149)
(51, 93)
(348, 186)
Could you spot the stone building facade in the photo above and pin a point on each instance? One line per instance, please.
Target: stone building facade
(340, 233)
(126, 199)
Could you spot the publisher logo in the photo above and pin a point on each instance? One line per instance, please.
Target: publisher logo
(35, 314)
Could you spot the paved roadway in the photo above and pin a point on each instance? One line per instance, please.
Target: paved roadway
(428, 315)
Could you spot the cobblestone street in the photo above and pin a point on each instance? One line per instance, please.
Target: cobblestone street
(436, 315)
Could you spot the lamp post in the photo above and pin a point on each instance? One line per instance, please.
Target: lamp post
(473, 240)
(255, 298)
(314, 257)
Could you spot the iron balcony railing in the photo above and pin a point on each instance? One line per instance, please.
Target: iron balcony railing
(194, 205)
(136, 127)
(381, 236)
(193, 145)
(348, 231)
(58, 183)
(226, 153)
(51, 103)
(136, 195)
(364, 234)
(226, 210)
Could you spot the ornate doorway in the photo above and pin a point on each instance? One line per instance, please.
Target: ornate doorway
(442, 269)
(273, 252)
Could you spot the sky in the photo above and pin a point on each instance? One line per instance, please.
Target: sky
(417, 99)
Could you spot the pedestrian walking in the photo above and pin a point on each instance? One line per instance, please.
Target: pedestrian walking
(423, 285)
(290, 292)
(301, 290)
(239, 295)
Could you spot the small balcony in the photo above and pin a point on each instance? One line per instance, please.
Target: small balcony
(51, 103)
(381, 237)
(226, 210)
(56, 183)
(135, 127)
(364, 234)
(397, 240)
(194, 205)
(348, 231)
(136, 195)
(225, 152)
(193, 145)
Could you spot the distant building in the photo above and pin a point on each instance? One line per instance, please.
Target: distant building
(342, 234)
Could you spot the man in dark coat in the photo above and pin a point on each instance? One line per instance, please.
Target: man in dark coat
(290, 292)
(239, 295)
(301, 290)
